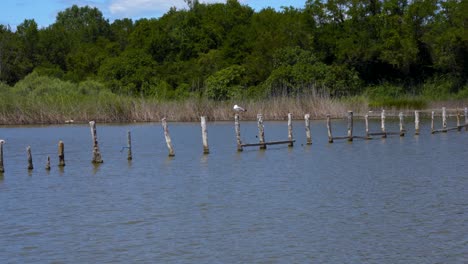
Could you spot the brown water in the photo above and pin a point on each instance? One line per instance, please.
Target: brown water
(394, 200)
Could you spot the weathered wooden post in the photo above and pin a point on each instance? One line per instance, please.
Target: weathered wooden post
(466, 118)
(129, 145)
(47, 167)
(458, 121)
(307, 129)
(382, 116)
(350, 125)
(290, 130)
(2, 168)
(330, 136)
(206, 149)
(366, 119)
(96, 153)
(402, 126)
(261, 131)
(30, 161)
(61, 153)
(432, 122)
(168, 137)
(238, 136)
(444, 119)
(416, 122)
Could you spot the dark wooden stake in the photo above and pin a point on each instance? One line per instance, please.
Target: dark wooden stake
(30, 161)
(168, 137)
(261, 131)
(238, 136)
(350, 125)
(330, 136)
(307, 129)
(47, 167)
(96, 153)
(432, 122)
(129, 145)
(466, 118)
(290, 130)
(402, 124)
(2, 168)
(458, 121)
(61, 153)
(206, 149)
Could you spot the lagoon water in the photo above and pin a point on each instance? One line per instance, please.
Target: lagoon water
(393, 200)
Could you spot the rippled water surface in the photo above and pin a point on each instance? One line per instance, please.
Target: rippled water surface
(394, 200)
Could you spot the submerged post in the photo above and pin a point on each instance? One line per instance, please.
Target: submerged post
(458, 121)
(61, 153)
(466, 118)
(206, 149)
(96, 154)
(47, 167)
(261, 131)
(30, 162)
(290, 131)
(330, 137)
(129, 145)
(238, 137)
(416, 122)
(402, 126)
(350, 125)
(366, 119)
(382, 116)
(307, 129)
(432, 122)
(2, 168)
(444, 119)
(168, 137)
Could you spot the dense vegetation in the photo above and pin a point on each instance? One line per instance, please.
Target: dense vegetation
(379, 49)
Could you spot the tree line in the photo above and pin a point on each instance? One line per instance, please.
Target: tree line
(227, 50)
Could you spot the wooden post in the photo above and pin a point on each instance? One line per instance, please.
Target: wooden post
(330, 136)
(238, 136)
(261, 131)
(366, 119)
(290, 131)
(432, 122)
(402, 125)
(350, 125)
(30, 162)
(416, 122)
(466, 118)
(129, 145)
(307, 129)
(61, 153)
(2, 168)
(444, 119)
(206, 149)
(458, 121)
(96, 154)
(382, 116)
(168, 137)
(47, 167)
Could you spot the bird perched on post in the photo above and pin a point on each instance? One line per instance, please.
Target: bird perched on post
(239, 109)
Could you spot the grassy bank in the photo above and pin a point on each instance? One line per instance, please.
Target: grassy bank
(45, 100)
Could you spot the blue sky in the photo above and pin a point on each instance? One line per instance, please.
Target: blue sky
(14, 12)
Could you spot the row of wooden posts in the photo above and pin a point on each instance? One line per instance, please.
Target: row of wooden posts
(97, 158)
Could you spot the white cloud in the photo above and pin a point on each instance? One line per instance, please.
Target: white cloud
(131, 8)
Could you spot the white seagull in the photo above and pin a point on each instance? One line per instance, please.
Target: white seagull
(239, 109)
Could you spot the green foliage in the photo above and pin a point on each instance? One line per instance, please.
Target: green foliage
(225, 84)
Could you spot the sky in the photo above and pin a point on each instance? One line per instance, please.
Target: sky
(14, 12)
